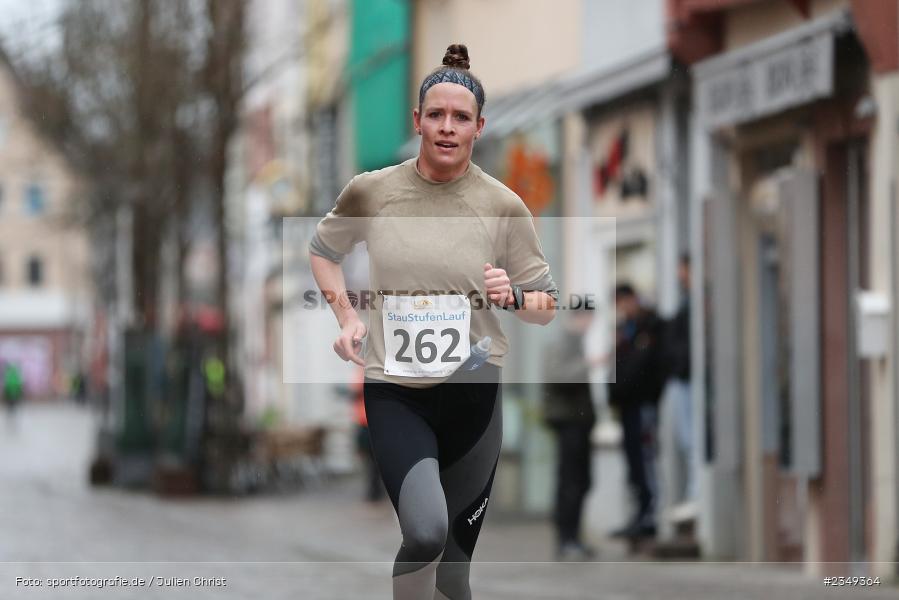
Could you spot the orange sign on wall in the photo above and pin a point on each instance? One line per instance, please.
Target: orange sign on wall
(529, 176)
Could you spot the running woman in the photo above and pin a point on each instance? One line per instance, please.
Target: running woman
(447, 244)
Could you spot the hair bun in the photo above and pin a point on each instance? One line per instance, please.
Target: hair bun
(456, 57)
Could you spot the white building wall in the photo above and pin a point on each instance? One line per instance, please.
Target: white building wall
(512, 43)
(62, 301)
(884, 395)
(615, 31)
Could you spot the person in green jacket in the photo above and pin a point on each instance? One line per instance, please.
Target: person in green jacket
(13, 388)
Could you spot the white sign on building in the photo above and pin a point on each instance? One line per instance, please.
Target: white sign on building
(736, 92)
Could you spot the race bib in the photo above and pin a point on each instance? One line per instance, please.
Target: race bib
(425, 336)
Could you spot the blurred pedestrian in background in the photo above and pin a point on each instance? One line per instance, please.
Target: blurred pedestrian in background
(635, 395)
(214, 375)
(568, 411)
(13, 388)
(677, 409)
(79, 387)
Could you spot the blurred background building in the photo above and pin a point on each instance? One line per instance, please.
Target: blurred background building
(46, 298)
(793, 214)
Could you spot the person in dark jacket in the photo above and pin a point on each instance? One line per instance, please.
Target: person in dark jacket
(568, 411)
(634, 395)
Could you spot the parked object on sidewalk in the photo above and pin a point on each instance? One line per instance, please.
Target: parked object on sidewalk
(100, 472)
(295, 453)
(680, 545)
(175, 478)
(683, 544)
(280, 458)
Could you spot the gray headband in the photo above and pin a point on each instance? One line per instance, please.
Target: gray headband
(452, 76)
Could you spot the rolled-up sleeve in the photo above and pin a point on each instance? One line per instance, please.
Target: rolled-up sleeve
(343, 226)
(524, 261)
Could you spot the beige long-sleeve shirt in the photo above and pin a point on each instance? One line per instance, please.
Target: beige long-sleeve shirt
(425, 237)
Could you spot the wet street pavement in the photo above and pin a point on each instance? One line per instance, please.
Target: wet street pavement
(319, 543)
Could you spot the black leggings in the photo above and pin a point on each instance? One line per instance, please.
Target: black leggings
(437, 450)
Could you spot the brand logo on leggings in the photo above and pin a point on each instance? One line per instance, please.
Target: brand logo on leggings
(478, 512)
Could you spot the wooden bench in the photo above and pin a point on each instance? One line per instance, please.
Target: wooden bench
(288, 456)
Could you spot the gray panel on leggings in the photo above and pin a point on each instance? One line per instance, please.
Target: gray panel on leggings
(417, 585)
(452, 577)
(421, 508)
(438, 595)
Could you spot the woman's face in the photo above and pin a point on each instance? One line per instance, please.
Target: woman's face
(448, 124)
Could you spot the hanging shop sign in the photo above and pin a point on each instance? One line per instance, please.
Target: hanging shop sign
(528, 175)
(527, 162)
(621, 147)
(732, 91)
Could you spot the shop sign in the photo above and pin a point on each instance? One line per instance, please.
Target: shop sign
(768, 84)
(528, 162)
(528, 175)
(622, 146)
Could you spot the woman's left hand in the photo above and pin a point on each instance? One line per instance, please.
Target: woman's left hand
(499, 288)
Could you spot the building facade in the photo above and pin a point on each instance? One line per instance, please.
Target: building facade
(793, 202)
(45, 293)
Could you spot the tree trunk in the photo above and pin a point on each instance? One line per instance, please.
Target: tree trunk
(224, 81)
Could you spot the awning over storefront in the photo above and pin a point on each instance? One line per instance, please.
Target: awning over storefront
(603, 85)
(574, 92)
(771, 75)
(41, 310)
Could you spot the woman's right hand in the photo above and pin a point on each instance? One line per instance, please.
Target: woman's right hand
(349, 342)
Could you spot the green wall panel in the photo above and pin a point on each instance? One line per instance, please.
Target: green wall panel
(379, 78)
